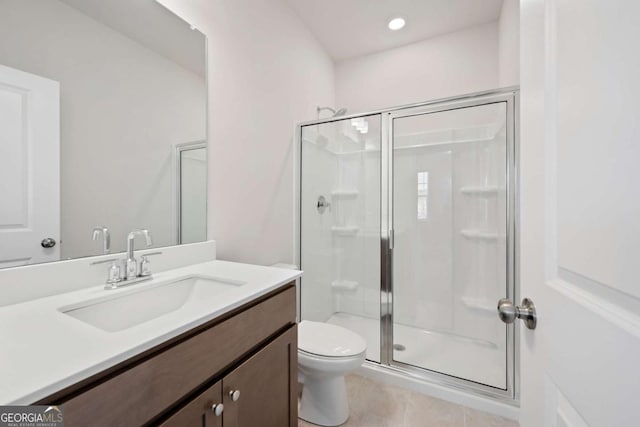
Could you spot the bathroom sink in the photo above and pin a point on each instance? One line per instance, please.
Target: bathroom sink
(121, 312)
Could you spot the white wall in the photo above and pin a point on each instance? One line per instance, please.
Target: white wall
(266, 72)
(452, 64)
(116, 164)
(509, 43)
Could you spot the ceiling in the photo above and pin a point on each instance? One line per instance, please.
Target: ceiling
(152, 25)
(349, 28)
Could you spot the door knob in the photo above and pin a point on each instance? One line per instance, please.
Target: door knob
(48, 242)
(217, 409)
(508, 312)
(234, 395)
(322, 204)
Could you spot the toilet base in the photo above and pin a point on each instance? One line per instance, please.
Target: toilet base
(324, 401)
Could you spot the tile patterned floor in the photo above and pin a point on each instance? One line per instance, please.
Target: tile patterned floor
(374, 404)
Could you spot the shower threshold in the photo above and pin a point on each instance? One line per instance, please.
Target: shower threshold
(461, 357)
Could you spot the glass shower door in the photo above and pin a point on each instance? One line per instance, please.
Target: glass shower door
(340, 225)
(450, 222)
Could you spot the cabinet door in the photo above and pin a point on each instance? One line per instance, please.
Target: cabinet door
(267, 384)
(199, 412)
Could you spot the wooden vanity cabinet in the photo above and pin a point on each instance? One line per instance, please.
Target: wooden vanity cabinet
(259, 392)
(200, 411)
(268, 384)
(252, 349)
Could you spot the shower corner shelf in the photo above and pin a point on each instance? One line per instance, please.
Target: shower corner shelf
(480, 235)
(488, 190)
(345, 285)
(345, 230)
(345, 194)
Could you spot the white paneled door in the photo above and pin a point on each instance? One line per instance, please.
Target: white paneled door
(580, 212)
(29, 168)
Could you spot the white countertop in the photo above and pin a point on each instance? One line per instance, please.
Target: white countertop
(43, 350)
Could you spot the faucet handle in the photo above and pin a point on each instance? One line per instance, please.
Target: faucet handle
(145, 264)
(104, 261)
(115, 271)
(152, 253)
(115, 274)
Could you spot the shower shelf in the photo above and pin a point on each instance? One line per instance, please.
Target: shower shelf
(345, 230)
(488, 190)
(480, 235)
(345, 285)
(345, 194)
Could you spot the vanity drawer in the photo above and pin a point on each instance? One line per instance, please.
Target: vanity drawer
(145, 390)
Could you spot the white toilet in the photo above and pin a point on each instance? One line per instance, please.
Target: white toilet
(326, 353)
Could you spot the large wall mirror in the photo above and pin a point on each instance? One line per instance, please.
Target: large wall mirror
(102, 128)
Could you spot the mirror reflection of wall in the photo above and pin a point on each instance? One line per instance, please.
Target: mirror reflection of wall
(128, 95)
(192, 185)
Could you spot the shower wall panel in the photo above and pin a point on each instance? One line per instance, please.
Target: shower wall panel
(316, 237)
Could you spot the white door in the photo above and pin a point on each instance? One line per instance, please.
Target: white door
(580, 212)
(29, 168)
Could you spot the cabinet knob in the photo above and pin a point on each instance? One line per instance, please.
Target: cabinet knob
(234, 395)
(217, 409)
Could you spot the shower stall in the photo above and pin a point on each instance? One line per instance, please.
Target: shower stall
(406, 231)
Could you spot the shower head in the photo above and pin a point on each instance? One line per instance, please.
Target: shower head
(339, 112)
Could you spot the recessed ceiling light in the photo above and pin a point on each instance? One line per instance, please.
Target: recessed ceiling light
(396, 23)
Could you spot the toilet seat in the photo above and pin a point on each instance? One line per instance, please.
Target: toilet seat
(329, 341)
(329, 358)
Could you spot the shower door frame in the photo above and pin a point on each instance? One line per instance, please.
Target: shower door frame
(510, 96)
(177, 182)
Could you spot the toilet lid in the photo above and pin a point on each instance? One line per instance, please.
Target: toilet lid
(324, 339)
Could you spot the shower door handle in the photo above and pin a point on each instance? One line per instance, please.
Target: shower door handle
(508, 312)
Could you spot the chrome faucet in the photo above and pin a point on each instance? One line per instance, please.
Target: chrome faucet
(106, 243)
(129, 270)
(132, 269)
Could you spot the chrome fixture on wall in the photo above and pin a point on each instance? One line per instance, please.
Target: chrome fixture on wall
(334, 112)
